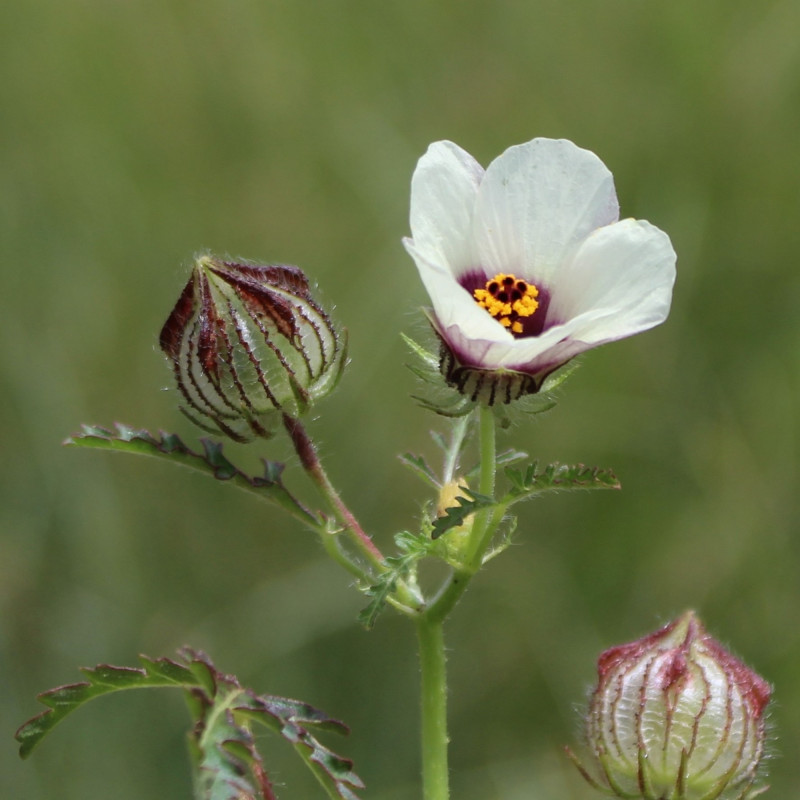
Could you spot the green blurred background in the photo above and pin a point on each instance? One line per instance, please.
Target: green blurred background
(138, 132)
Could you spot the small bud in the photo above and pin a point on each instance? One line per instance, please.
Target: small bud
(676, 716)
(453, 545)
(247, 344)
(449, 494)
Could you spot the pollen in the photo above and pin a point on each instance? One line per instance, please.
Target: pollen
(509, 300)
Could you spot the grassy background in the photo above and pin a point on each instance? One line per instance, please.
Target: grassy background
(136, 133)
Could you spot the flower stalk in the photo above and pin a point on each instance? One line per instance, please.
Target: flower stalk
(309, 458)
(482, 530)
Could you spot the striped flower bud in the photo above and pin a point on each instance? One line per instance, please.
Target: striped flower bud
(247, 344)
(676, 716)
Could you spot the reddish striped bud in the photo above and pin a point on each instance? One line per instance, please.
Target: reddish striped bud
(247, 344)
(676, 716)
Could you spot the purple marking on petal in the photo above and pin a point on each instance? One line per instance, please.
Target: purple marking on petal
(553, 358)
(538, 322)
(474, 278)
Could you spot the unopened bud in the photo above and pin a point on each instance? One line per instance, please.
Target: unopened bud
(247, 344)
(449, 494)
(675, 715)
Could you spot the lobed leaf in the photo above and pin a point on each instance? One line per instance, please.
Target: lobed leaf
(103, 679)
(556, 477)
(211, 461)
(412, 547)
(227, 765)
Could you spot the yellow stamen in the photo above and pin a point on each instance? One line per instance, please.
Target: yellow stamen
(508, 300)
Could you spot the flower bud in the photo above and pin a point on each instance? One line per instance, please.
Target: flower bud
(675, 715)
(247, 344)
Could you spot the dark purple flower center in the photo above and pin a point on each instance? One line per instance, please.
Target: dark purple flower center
(517, 304)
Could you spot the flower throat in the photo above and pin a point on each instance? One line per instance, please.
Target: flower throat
(508, 300)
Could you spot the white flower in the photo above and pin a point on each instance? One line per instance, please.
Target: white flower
(543, 217)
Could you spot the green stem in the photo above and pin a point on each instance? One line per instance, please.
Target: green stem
(482, 529)
(435, 781)
(430, 624)
(333, 547)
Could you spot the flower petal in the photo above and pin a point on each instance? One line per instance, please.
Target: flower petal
(623, 274)
(535, 205)
(443, 191)
(554, 347)
(452, 304)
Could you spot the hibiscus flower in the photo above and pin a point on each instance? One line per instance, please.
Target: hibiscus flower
(527, 263)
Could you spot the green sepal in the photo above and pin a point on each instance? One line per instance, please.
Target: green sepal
(448, 402)
(456, 405)
(556, 478)
(503, 539)
(211, 461)
(226, 764)
(538, 402)
(510, 414)
(554, 380)
(429, 360)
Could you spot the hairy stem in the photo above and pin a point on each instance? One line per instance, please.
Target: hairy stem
(435, 779)
(309, 458)
(430, 624)
(482, 528)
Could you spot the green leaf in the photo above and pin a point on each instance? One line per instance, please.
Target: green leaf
(454, 516)
(103, 679)
(556, 477)
(412, 547)
(420, 468)
(226, 763)
(211, 461)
